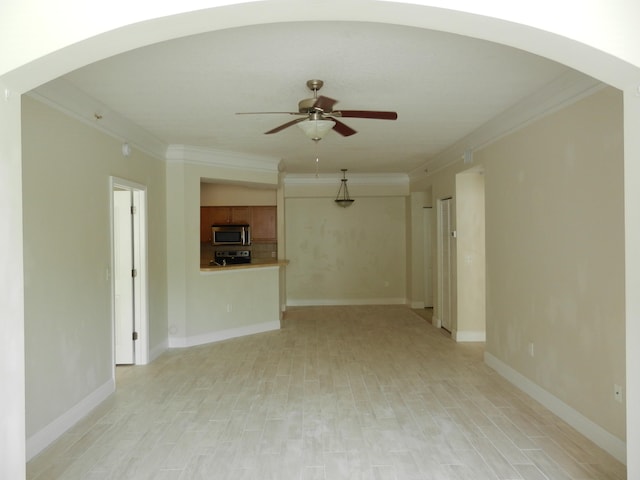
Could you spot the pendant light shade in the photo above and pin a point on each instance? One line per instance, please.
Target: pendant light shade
(316, 129)
(343, 198)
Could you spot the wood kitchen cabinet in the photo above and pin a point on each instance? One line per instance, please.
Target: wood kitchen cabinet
(261, 218)
(230, 215)
(205, 224)
(222, 216)
(263, 224)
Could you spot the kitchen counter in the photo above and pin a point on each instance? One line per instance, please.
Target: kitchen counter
(255, 263)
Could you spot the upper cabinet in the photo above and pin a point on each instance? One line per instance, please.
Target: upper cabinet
(263, 224)
(205, 224)
(221, 216)
(261, 218)
(230, 215)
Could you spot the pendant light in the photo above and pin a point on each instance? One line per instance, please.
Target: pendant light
(343, 198)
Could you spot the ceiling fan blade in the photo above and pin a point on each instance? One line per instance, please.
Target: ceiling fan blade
(366, 114)
(342, 129)
(325, 103)
(269, 113)
(285, 125)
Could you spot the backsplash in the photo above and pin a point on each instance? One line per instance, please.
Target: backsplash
(259, 251)
(264, 250)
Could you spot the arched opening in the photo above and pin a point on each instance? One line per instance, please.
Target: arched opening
(152, 27)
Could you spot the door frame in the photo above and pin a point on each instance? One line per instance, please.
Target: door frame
(427, 217)
(140, 246)
(439, 299)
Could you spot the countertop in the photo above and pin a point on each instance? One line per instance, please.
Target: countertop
(256, 263)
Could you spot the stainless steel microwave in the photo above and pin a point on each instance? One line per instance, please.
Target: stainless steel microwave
(231, 234)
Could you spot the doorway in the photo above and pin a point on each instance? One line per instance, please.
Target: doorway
(129, 272)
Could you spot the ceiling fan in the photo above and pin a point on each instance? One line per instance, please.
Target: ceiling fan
(318, 116)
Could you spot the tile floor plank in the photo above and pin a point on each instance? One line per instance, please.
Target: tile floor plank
(357, 392)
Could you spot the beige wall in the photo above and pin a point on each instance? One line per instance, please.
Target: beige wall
(198, 302)
(68, 344)
(347, 255)
(214, 194)
(469, 323)
(555, 255)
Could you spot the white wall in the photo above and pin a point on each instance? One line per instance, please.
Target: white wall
(12, 373)
(67, 259)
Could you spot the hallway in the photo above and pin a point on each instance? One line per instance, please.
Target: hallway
(358, 392)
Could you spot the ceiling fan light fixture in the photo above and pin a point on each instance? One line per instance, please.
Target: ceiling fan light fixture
(316, 129)
(343, 199)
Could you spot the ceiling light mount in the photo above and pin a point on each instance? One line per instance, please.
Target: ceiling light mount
(343, 199)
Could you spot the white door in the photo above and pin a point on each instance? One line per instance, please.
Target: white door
(428, 257)
(445, 239)
(124, 306)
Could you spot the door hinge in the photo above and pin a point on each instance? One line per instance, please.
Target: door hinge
(134, 273)
(133, 210)
(135, 336)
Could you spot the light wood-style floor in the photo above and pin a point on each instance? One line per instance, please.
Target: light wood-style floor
(362, 392)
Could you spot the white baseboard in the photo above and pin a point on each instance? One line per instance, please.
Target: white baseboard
(469, 335)
(345, 302)
(598, 435)
(42, 439)
(435, 321)
(416, 305)
(211, 337)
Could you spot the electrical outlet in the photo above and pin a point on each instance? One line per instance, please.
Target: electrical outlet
(531, 349)
(229, 307)
(617, 393)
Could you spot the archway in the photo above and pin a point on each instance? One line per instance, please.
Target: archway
(541, 28)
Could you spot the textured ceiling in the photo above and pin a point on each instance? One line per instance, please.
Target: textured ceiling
(443, 87)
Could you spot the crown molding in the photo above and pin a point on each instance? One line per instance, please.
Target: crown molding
(65, 97)
(369, 179)
(562, 92)
(62, 95)
(213, 157)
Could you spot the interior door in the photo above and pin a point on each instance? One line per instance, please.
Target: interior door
(428, 256)
(124, 307)
(446, 252)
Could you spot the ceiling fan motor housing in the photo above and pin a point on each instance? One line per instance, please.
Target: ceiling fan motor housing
(308, 105)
